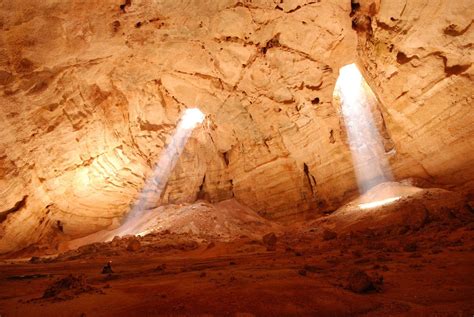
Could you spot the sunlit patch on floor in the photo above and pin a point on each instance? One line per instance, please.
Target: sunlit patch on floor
(379, 203)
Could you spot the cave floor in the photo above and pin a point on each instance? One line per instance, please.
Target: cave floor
(425, 273)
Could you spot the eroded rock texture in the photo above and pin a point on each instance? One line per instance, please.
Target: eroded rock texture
(418, 57)
(91, 92)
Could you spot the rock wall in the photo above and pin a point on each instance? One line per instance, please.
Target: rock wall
(417, 55)
(91, 92)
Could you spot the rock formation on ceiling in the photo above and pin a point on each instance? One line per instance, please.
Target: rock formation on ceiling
(91, 93)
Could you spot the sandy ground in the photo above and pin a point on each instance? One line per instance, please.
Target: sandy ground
(380, 263)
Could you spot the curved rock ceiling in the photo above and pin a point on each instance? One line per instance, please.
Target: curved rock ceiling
(91, 93)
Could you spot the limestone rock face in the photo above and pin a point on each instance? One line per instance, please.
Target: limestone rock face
(91, 92)
(417, 55)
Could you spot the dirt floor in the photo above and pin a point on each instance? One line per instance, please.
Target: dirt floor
(425, 268)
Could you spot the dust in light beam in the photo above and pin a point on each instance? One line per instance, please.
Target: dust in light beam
(371, 165)
(156, 183)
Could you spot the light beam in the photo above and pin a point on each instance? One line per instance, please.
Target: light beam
(156, 183)
(370, 162)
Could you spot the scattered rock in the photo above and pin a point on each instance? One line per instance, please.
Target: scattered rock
(361, 282)
(410, 247)
(270, 240)
(470, 205)
(311, 268)
(134, 245)
(380, 267)
(302, 272)
(68, 287)
(35, 260)
(27, 277)
(110, 277)
(160, 268)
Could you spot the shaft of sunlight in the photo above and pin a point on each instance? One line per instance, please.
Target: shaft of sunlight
(157, 181)
(371, 165)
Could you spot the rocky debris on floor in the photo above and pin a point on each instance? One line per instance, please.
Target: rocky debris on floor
(27, 276)
(470, 205)
(69, 287)
(133, 244)
(312, 268)
(302, 272)
(318, 270)
(380, 267)
(410, 247)
(360, 282)
(160, 268)
(417, 210)
(329, 235)
(270, 240)
(153, 242)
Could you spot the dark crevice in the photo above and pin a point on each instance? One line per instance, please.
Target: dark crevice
(295, 9)
(314, 87)
(402, 58)
(274, 42)
(387, 27)
(18, 205)
(332, 140)
(456, 69)
(202, 193)
(355, 6)
(310, 178)
(60, 226)
(452, 30)
(298, 7)
(362, 23)
(124, 6)
(225, 156)
(232, 187)
(266, 144)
